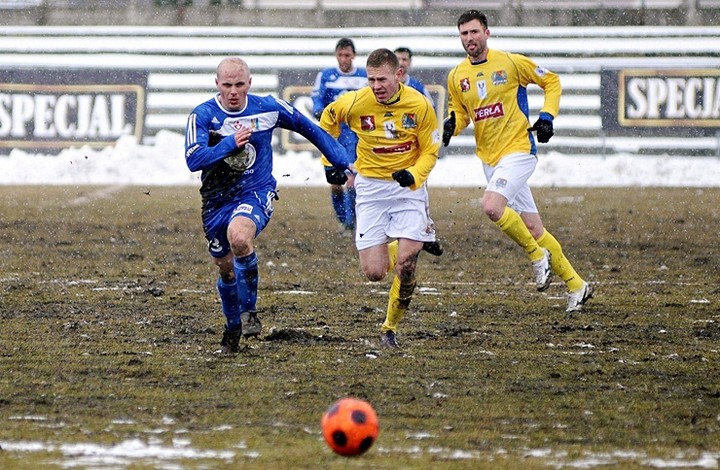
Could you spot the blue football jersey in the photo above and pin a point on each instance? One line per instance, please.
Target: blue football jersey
(228, 171)
(331, 83)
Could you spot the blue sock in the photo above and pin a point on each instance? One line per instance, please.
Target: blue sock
(246, 276)
(230, 303)
(350, 208)
(338, 202)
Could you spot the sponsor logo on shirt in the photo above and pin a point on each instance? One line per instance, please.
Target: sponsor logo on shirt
(490, 111)
(367, 123)
(400, 148)
(242, 160)
(499, 77)
(409, 121)
(242, 209)
(215, 246)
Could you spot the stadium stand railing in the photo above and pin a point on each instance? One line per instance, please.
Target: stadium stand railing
(353, 13)
(181, 62)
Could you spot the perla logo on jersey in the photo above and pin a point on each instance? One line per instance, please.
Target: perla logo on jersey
(242, 160)
(490, 111)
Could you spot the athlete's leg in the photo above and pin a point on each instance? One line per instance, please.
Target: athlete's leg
(508, 188)
(228, 292)
(241, 233)
(374, 262)
(392, 255)
(350, 208)
(511, 224)
(337, 196)
(403, 284)
(559, 263)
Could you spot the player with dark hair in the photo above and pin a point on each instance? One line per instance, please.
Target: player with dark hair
(228, 138)
(489, 88)
(404, 55)
(398, 144)
(330, 83)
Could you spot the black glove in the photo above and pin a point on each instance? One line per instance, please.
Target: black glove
(404, 177)
(448, 128)
(214, 138)
(335, 175)
(543, 129)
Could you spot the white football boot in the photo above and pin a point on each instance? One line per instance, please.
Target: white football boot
(543, 273)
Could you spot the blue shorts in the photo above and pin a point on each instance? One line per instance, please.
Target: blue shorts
(255, 205)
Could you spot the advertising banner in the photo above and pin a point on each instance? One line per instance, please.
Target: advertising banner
(680, 102)
(56, 109)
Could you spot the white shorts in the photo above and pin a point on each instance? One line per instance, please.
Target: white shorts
(510, 178)
(385, 210)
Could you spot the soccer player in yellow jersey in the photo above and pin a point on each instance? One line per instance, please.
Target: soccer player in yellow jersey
(489, 88)
(398, 144)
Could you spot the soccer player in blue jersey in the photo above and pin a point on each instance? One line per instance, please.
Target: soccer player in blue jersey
(228, 138)
(329, 85)
(404, 55)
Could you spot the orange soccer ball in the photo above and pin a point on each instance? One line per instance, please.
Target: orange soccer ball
(350, 426)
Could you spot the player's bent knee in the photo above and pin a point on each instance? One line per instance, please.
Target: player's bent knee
(241, 247)
(375, 275)
(493, 213)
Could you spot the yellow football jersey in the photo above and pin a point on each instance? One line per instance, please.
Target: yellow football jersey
(397, 136)
(493, 95)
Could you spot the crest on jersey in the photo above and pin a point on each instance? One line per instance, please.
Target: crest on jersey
(241, 161)
(390, 131)
(367, 123)
(499, 77)
(409, 121)
(465, 85)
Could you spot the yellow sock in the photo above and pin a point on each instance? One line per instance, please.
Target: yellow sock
(392, 254)
(559, 263)
(398, 301)
(514, 227)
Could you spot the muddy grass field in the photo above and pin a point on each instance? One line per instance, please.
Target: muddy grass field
(109, 323)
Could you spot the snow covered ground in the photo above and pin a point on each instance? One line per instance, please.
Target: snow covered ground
(128, 163)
